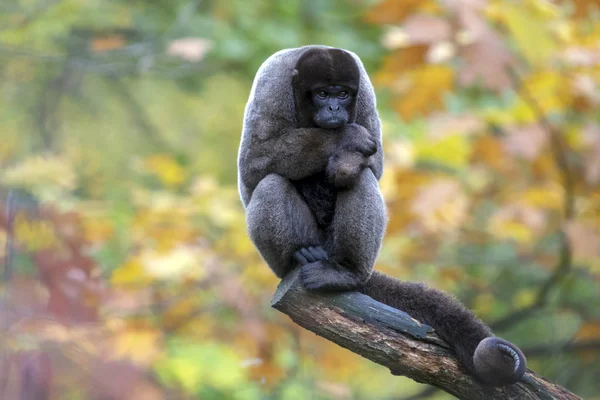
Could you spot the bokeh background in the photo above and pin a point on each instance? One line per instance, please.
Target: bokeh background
(127, 272)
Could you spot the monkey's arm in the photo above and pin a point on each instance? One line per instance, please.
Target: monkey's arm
(297, 153)
(346, 163)
(294, 154)
(376, 162)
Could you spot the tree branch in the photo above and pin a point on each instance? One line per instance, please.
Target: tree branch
(395, 340)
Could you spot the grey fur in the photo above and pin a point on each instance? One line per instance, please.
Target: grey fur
(267, 145)
(280, 171)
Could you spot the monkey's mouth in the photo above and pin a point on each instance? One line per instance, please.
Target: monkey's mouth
(332, 123)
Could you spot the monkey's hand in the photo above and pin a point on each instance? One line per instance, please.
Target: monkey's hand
(344, 168)
(356, 138)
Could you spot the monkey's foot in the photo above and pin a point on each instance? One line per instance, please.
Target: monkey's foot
(307, 255)
(327, 276)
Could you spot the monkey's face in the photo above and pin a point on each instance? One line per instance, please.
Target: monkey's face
(325, 84)
(332, 106)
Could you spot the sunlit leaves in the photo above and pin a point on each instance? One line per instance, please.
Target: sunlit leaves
(192, 366)
(548, 90)
(394, 11)
(503, 156)
(521, 22)
(520, 223)
(422, 90)
(166, 169)
(34, 234)
(440, 206)
(486, 56)
(139, 345)
(153, 269)
(107, 42)
(130, 273)
(584, 238)
(452, 150)
(190, 49)
(418, 29)
(177, 263)
(46, 176)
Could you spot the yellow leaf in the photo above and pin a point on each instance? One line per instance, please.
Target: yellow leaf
(452, 150)
(513, 230)
(550, 90)
(483, 303)
(517, 222)
(194, 365)
(178, 263)
(45, 175)
(34, 235)
(167, 170)
(531, 33)
(396, 63)
(141, 346)
(524, 298)
(548, 197)
(394, 11)
(440, 206)
(7, 150)
(424, 90)
(544, 8)
(407, 183)
(488, 150)
(131, 273)
(187, 372)
(97, 230)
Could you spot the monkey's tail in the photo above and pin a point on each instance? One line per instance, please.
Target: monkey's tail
(492, 360)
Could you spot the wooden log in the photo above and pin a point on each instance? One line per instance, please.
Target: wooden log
(393, 339)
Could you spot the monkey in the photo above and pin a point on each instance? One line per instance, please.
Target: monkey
(309, 165)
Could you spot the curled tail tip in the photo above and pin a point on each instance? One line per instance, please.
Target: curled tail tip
(499, 362)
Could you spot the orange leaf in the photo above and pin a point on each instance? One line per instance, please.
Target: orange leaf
(407, 184)
(589, 330)
(488, 150)
(399, 61)
(106, 43)
(441, 205)
(394, 11)
(424, 90)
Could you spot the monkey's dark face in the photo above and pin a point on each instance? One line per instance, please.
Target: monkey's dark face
(325, 84)
(331, 106)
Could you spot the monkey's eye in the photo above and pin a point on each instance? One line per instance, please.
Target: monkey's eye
(322, 94)
(343, 95)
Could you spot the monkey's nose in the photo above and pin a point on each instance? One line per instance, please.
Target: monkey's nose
(334, 108)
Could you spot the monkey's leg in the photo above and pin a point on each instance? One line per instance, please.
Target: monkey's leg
(280, 223)
(353, 239)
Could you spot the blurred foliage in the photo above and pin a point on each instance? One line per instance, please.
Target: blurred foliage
(127, 270)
